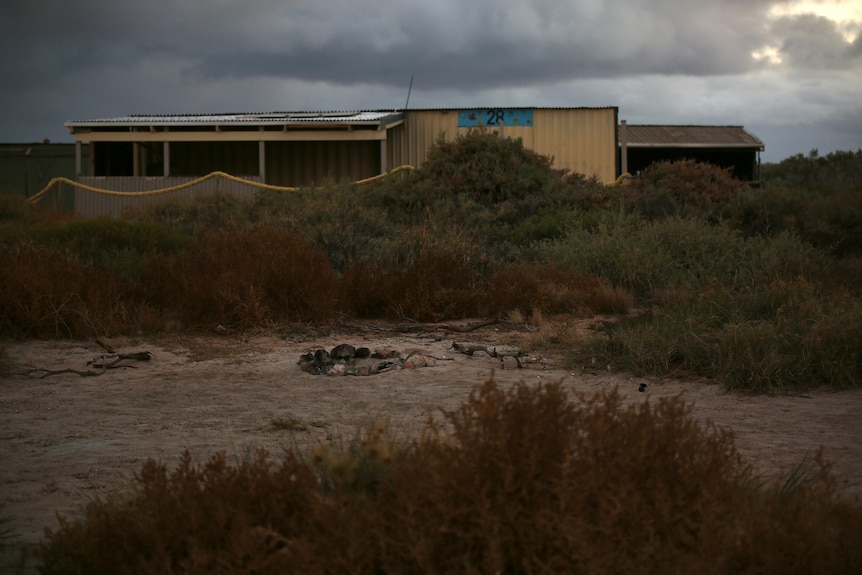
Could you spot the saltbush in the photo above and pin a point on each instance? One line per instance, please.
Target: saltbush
(50, 293)
(485, 168)
(776, 336)
(242, 278)
(197, 216)
(681, 188)
(648, 256)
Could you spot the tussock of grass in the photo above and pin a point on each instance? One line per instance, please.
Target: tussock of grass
(289, 423)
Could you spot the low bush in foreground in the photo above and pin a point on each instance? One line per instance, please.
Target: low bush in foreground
(523, 480)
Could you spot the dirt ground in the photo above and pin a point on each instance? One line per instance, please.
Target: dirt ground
(67, 438)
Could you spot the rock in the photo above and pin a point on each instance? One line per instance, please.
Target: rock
(384, 353)
(308, 363)
(337, 369)
(343, 351)
(322, 357)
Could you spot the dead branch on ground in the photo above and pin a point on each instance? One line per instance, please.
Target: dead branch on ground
(100, 364)
(419, 327)
(497, 351)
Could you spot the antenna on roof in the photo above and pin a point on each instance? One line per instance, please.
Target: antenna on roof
(410, 89)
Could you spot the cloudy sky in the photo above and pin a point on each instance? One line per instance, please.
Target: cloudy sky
(789, 71)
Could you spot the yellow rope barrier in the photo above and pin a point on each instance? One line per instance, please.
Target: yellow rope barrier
(56, 181)
(621, 181)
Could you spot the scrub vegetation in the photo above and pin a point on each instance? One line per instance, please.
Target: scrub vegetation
(695, 273)
(755, 288)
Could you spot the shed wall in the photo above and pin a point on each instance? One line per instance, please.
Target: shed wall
(25, 169)
(201, 158)
(582, 140)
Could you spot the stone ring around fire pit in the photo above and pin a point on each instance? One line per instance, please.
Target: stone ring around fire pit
(345, 359)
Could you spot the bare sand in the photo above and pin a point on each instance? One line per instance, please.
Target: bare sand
(66, 439)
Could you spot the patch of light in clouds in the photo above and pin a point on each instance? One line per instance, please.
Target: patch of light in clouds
(846, 13)
(768, 54)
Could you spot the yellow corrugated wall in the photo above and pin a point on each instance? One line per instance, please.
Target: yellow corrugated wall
(582, 140)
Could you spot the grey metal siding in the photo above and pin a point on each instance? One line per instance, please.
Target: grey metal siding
(93, 204)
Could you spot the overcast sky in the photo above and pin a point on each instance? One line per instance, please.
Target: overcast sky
(790, 72)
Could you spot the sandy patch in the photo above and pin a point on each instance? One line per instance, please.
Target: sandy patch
(65, 439)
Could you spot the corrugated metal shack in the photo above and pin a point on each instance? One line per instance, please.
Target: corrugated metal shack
(147, 152)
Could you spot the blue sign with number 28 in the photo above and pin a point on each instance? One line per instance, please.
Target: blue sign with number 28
(495, 117)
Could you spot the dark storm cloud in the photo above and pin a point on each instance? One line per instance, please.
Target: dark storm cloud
(672, 60)
(494, 44)
(808, 41)
(479, 44)
(484, 43)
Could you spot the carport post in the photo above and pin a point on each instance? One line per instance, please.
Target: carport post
(77, 157)
(624, 153)
(261, 160)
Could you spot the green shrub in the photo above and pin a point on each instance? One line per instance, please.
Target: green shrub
(779, 336)
(828, 220)
(485, 168)
(681, 188)
(646, 257)
(115, 246)
(839, 170)
(197, 216)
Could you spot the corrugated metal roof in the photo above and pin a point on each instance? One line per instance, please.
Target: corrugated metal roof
(456, 108)
(259, 118)
(278, 117)
(665, 136)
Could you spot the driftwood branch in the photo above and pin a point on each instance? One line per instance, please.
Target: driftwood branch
(499, 352)
(420, 327)
(110, 360)
(39, 373)
(100, 365)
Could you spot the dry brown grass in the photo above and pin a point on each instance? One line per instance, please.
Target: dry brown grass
(244, 278)
(49, 293)
(520, 480)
